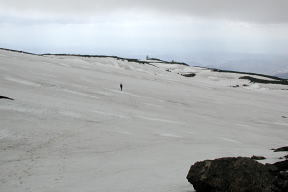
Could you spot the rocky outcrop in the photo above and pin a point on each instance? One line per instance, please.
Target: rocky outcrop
(237, 174)
(265, 81)
(281, 149)
(4, 97)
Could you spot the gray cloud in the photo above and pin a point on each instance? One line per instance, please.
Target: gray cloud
(255, 11)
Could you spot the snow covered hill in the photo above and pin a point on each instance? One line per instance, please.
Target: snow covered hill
(70, 128)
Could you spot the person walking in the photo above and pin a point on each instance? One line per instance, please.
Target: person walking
(121, 86)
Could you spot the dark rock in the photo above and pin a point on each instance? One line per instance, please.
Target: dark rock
(284, 117)
(4, 97)
(241, 174)
(235, 86)
(258, 157)
(188, 74)
(245, 85)
(280, 149)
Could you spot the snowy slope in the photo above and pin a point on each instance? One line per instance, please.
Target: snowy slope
(70, 128)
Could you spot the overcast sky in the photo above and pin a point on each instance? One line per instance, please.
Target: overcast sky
(167, 28)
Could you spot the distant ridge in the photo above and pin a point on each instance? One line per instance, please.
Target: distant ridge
(153, 60)
(99, 56)
(17, 51)
(247, 73)
(282, 75)
(78, 55)
(156, 60)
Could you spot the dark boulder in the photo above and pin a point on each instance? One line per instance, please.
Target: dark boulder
(231, 174)
(188, 74)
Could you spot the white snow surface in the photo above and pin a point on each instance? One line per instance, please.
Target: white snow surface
(71, 129)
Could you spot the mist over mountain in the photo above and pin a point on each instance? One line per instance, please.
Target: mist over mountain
(282, 75)
(269, 64)
(257, 63)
